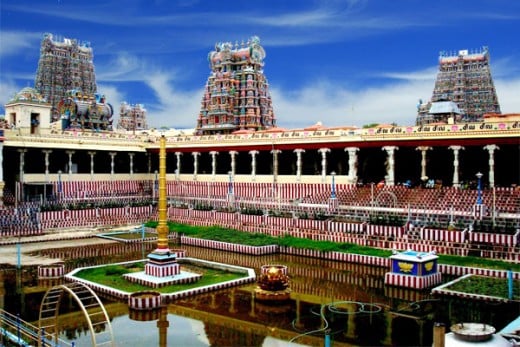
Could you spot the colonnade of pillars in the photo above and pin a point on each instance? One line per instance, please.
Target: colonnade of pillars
(352, 175)
(70, 153)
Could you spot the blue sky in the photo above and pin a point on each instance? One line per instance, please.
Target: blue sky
(340, 62)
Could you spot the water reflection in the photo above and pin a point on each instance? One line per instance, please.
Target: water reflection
(357, 307)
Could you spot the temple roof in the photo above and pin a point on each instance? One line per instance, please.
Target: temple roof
(28, 94)
(444, 107)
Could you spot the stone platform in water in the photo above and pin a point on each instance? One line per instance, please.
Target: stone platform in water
(412, 269)
(157, 282)
(249, 276)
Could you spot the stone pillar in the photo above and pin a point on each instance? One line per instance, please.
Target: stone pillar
(156, 185)
(195, 164)
(92, 154)
(298, 152)
(390, 165)
(2, 183)
(21, 179)
(233, 155)
(178, 168)
(253, 164)
(333, 185)
(352, 164)
(424, 150)
(46, 152)
(22, 164)
(491, 150)
(213, 164)
(112, 156)
(231, 190)
(456, 150)
(60, 188)
(323, 152)
(275, 153)
(70, 153)
(131, 155)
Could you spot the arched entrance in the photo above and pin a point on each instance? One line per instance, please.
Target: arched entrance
(92, 308)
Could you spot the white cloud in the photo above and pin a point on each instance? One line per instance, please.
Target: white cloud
(336, 105)
(428, 74)
(175, 108)
(505, 67)
(319, 17)
(172, 107)
(14, 42)
(124, 67)
(508, 92)
(7, 90)
(331, 104)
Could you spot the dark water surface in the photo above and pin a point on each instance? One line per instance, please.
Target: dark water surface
(358, 309)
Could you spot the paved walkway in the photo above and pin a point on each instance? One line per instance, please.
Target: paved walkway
(51, 239)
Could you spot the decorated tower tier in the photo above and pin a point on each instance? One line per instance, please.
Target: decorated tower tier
(465, 79)
(132, 117)
(64, 64)
(85, 111)
(236, 95)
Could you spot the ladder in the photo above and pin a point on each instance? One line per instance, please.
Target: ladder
(92, 307)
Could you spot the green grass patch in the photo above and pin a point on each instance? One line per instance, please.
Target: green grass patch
(470, 261)
(490, 286)
(258, 239)
(111, 275)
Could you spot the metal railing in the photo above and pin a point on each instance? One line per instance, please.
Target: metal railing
(16, 331)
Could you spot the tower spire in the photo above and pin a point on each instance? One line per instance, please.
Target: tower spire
(464, 78)
(236, 95)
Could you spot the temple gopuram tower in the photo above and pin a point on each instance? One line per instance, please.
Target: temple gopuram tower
(64, 65)
(236, 95)
(464, 79)
(132, 117)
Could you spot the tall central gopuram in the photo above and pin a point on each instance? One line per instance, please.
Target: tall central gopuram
(236, 96)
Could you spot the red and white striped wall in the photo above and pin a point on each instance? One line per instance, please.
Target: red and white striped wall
(145, 300)
(442, 235)
(230, 247)
(162, 270)
(51, 271)
(497, 239)
(410, 281)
